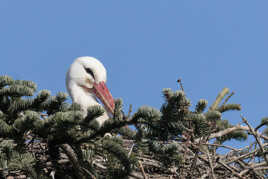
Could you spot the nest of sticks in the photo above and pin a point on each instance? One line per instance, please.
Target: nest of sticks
(200, 160)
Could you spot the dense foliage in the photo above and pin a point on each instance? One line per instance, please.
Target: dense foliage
(42, 136)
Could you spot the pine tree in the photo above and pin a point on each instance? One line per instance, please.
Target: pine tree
(42, 136)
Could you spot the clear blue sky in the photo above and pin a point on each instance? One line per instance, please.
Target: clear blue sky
(145, 45)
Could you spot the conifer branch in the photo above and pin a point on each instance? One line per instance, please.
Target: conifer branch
(43, 136)
(74, 160)
(219, 98)
(228, 97)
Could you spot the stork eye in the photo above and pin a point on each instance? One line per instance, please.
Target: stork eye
(89, 71)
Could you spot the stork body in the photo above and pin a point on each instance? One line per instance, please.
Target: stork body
(86, 82)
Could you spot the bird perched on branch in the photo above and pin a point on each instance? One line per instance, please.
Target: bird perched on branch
(86, 84)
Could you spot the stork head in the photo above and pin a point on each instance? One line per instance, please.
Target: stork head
(89, 74)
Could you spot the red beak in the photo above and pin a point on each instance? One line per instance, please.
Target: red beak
(104, 95)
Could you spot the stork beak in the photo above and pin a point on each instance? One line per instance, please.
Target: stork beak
(101, 91)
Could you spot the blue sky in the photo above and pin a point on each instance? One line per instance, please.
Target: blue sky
(145, 45)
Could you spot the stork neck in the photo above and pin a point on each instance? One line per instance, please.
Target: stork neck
(82, 97)
(85, 100)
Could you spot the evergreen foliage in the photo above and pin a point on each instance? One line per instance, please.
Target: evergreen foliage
(43, 136)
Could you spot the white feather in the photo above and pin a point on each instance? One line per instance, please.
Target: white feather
(76, 78)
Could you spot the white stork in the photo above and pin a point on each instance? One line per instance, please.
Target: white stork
(86, 82)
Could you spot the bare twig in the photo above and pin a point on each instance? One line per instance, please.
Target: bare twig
(142, 170)
(231, 170)
(223, 146)
(210, 165)
(90, 174)
(130, 151)
(229, 130)
(257, 137)
(180, 83)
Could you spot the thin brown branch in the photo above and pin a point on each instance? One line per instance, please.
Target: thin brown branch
(223, 146)
(142, 170)
(257, 137)
(211, 165)
(231, 129)
(180, 83)
(90, 174)
(231, 170)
